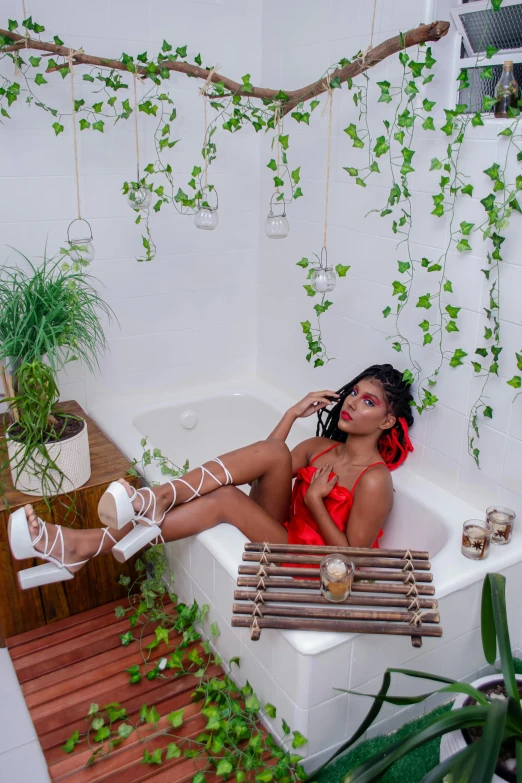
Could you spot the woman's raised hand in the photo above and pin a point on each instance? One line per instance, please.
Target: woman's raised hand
(313, 402)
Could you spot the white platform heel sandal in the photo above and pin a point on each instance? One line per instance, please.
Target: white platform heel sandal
(149, 528)
(23, 548)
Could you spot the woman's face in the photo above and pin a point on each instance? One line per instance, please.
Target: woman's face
(365, 410)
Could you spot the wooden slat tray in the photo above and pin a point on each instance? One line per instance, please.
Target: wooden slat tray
(392, 592)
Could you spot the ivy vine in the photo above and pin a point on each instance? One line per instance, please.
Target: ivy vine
(237, 105)
(231, 741)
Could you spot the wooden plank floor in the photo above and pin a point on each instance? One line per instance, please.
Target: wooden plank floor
(64, 667)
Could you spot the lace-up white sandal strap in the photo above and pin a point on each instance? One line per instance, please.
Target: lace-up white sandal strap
(205, 470)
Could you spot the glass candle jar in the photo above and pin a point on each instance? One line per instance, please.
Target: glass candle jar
(81, 250)
(206, 218)
(139, 198)
(277, 226)
(476, 537)
(336, 577)
(323, 280)
(501, 520)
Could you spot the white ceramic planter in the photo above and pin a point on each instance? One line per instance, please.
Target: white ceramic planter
(454, 741)
(71, 456)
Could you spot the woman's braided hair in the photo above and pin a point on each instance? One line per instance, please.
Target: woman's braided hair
(394, 444)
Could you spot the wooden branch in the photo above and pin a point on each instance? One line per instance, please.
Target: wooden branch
(421, 34)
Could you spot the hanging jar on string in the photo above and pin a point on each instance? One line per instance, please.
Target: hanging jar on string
(207, 217)
(277, 226)
(79, 239)
(81, 249)
(139, 193)
(323, 279)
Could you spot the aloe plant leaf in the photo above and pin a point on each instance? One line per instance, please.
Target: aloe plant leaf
(441, 724)
(489, 744)
(438, 773)
(495, 628)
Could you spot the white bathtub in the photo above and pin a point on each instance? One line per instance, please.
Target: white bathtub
(295, 670)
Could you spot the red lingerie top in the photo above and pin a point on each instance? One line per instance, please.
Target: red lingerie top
(302, 527)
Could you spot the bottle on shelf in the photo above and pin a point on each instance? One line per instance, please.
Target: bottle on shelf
(507, 92)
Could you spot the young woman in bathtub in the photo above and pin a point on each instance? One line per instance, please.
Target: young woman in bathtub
(341, 496)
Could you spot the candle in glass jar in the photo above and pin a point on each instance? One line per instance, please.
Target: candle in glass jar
(336, 577)
(476, 536)
(501, 520)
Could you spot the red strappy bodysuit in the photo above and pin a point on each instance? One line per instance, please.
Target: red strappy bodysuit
(302, 527)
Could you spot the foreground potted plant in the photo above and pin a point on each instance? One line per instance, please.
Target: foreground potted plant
(49, 316)
(482, 734)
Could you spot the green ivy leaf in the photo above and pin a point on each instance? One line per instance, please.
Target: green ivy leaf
(286, 727)
(351, 171)
(270, 710)
(102, 734)
(298, 740)
(296, 175)
(476, 366)
(488, 412)
(435, 164)
(515, 382)
(125, 730)
(458, 355)
(386, 311)
(407, 377)
(451, 326)
(424, 301)
(126, 638)
(98, 126)
(381, 146)
(477, 119)
(424, 325)
(428, 105)
(467, 190)
(403, 266)
(428, 124)
(71, 742)
(341, 270)
(309, 290)
(466, 228)
(303, 263)
(463, 245)
(427, 339)
(40, 79)
(57, 128)
(448, 287)
(265, 777)
(488, 102)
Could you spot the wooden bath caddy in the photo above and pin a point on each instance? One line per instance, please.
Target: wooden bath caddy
(393, 587)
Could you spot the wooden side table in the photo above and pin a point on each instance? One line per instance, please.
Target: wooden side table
(98, 582)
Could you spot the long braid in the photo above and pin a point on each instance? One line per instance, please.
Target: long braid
(394, 444)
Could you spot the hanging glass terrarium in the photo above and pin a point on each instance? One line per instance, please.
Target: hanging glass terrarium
(207, 217)
(277, 226)
(79, 239)
(323, 279)
(139, 197)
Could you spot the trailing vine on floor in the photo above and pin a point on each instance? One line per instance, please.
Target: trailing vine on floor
(231, 742)
(238, 105)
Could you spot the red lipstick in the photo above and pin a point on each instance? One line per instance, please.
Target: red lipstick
(346, 416)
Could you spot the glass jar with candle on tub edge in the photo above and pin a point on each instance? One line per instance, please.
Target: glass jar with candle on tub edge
(336, 577)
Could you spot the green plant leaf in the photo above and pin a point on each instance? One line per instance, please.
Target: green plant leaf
(515, 382)
(452, 311)
(71, 742)
(458, 355)
(57, 128)
(386, 311)
(341, 270)
(495, 629)
(40, 79)
(298, 740)
(424, 301)
(125, 730)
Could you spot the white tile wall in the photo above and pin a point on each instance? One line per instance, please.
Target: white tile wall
(190, 314)
(354, 329)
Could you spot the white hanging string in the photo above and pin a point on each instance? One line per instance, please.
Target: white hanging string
(277, 118)
(71, 69)
(203, 93)
(136, 127)
(370, 46)
(328, 158)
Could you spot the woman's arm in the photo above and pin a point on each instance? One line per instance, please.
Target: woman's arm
(313, 402)
(372, 503)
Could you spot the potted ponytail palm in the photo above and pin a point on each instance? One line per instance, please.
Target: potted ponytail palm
(49, 316)
(482, 734)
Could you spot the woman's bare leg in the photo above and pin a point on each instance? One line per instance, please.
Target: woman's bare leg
(265, 461)
(226, 504)
(78, 544)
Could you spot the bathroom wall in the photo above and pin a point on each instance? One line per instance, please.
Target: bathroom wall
(189, 315)
(300, 39)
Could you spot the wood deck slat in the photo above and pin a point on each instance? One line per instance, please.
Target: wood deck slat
(65, 667)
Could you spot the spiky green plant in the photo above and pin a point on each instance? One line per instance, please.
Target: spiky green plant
(48, 312)
(500, 719)
(49, 316)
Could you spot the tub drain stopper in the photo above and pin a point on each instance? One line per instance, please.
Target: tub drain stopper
(188, 419)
